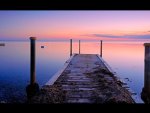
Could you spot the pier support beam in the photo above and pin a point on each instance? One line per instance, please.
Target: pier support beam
(79, 46)
(145, 95)
(70, 47)
(33, 87)
(101, 48)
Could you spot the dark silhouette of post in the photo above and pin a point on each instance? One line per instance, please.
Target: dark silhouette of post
(101, 48)
(32, 61)
(79, 46)
(145, 95)
(70, 47)
(33, 87)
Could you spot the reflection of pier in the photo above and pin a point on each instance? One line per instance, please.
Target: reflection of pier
(85, 78)
(145, 95)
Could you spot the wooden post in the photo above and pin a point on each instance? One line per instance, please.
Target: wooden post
(146, 90)
(33, 87)
(79, 46)
(101, 48)
(70, 47)
(32, 61)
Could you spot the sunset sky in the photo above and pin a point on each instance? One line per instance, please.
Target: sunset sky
(87, 25)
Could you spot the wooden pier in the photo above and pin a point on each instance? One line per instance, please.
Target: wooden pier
(85, 78)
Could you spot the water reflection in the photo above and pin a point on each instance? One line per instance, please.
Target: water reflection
(127, 61)
(124, 58)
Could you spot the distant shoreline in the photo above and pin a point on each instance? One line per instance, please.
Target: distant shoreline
(76, 41)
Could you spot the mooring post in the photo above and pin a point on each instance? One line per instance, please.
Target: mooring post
(101, 48)
(79, 46)
(146, 90)
(70, 47)
(33, 87)
(32, 61)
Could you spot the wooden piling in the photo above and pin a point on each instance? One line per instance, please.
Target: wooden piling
(146, 90)
(70, 47)
(101, 48)
(32, 61)
(33, 87)
(79, 46)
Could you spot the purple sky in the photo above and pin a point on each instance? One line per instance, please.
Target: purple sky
(20, 25)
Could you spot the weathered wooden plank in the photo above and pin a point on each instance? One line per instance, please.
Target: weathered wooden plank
(86, 78)
(54, 78)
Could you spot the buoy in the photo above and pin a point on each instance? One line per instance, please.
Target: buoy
(2, 44)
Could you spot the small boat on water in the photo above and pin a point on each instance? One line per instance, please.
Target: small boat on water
(42, 46)
(2, 44)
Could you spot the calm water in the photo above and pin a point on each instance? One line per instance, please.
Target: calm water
(126, 59)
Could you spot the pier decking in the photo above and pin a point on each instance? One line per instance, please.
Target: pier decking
(85, 78)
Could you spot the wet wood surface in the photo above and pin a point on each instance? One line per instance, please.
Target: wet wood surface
(86, 79)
